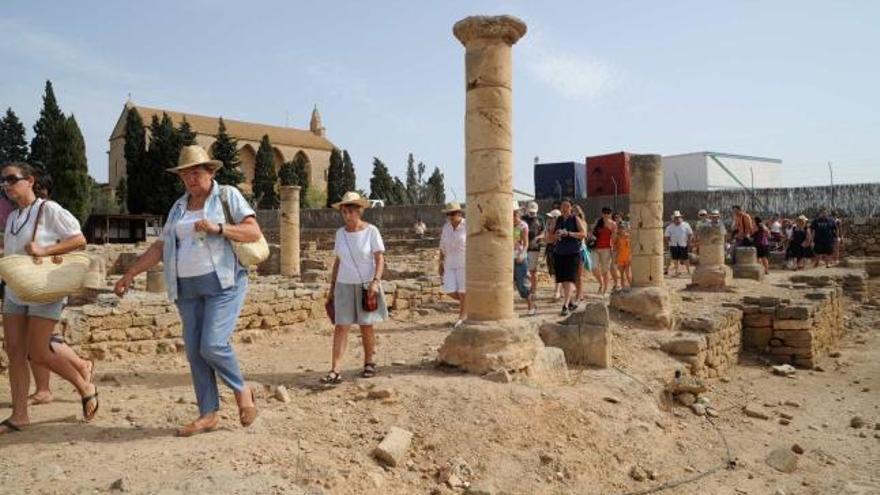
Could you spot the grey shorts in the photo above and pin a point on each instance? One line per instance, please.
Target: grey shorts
(534, 256)
(347, 303)
(50, 311)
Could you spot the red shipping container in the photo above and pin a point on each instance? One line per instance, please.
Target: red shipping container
(604, 170)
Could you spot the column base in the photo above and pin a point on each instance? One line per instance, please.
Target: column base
(751, 271)
(712, 277)
(651, 305)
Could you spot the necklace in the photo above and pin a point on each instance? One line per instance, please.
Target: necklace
(16, 231)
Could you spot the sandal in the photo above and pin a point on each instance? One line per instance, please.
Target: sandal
(332, 378)
(192, 429)
(369, 370)
(87, 416)
(10, 427)
(247, 415)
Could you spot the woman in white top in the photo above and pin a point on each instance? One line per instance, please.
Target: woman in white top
(37, 228)
(357, 271)
(453, 244)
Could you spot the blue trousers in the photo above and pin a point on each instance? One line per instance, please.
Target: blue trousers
(521, 278)
(209, 314)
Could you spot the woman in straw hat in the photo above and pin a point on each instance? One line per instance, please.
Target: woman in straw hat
(453, 243)
(37, 228)
(206, 281)
(355, 288)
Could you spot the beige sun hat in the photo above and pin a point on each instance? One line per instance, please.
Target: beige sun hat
(532, 207)
(194, 155)
(352, 198)
(452, 207)
(803, 218)
(676, 213)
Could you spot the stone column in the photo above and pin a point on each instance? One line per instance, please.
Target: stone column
(711, 273)
(649, 299)
(747, 265)
(288, 220)
(489, 162)
(492, 340)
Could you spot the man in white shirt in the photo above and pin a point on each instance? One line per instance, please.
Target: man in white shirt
(679, 236)
(453, 242)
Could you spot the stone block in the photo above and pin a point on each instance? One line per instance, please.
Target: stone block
(588, 345)
(758, 320)
(686, 346)
(549, 366)
(393, 448)
(783, 460)
(166, 319)
(756, 337)
(792, 324)
(481, 347)
(712, 277)
(752, 272)
(793, 312)
(651, 305)
(138, 333)
(592, 313)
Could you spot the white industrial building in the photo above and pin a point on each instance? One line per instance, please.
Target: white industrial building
(710, 171)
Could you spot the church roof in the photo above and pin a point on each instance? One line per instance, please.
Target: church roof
(249, 131)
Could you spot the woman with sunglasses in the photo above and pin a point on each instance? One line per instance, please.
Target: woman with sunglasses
(38, 228)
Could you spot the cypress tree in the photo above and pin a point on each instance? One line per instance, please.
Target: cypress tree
(122, 196)
(381, 183)
(435, 189)
(185, 134)
(348, 173)
(265, 178)
(287, 174)
(50, 117)
(73, 186)
(162, 154)
(137, 173)
(412, 181)
(399, 194)
(226, 150)
(301, 171)
(13, 146)
(335, 180)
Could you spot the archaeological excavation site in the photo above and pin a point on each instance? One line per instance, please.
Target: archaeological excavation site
(727, 379)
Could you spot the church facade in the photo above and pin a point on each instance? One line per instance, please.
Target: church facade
(287, 143)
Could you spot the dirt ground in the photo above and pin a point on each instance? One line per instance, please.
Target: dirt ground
(580, 437)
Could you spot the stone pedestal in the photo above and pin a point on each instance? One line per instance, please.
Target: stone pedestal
(289, 230)
(711, 273)
(481, 347)
(747, 265)
(584, 337)
(648, 299)
(156, 279)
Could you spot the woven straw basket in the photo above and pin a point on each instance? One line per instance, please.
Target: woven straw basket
(46, 281)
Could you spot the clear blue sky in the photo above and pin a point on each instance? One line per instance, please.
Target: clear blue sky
(796, 80)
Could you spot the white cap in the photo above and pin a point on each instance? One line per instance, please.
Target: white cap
(676, 213)
(702, 212)
(716, 213)
(554, 213)
(532, 207)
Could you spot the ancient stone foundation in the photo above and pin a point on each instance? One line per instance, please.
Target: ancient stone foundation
(584, 337)
(708, 343)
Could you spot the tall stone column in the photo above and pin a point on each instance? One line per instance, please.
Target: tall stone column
(492, 340)
(489, 162)
(648, 299)
(288, 219)
(711, 273)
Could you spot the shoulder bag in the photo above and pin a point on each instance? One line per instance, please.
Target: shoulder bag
(369, 303)
(248, 253)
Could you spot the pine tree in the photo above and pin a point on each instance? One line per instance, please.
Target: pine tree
(137, 173)
(73, 186)
(335, 179)
(348, 173)
(399, 194)
(122, 196)
(226, 150)
(412, 181)
(265, 178)
(435, 189)
(13, 146)
(162, 154)
(185, 135)
(381, 183)
(50, 117)
(301, 171)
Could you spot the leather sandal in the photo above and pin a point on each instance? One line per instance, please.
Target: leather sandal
(194, 429)
(247, 415)
(90, 415)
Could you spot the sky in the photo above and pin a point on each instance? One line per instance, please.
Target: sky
(794, 80)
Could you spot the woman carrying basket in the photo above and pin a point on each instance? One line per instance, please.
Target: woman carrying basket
(206, 281)
(41, 229)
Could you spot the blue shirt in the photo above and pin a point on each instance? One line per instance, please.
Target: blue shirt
(222, 256)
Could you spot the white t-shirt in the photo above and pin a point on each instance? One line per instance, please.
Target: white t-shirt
(453, 243)
(776, 227)
(357, 264)
(56, 224)
(193, 255)
(678, 234)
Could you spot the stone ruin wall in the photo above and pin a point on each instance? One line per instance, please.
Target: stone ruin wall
(708, 343)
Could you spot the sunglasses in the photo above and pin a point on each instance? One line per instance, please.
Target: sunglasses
(8, 180)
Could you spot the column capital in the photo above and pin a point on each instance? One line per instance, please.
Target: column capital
(506, 28)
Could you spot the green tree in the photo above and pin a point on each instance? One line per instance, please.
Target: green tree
(138, 175)
(13, 145)
(73, 186)
(348, 174)
(399, 195)
(301, 170)
(122, 197)
(287, 174)
(381, 183)
(162, 154)
(265, 178)
(44, 129)
(185, 134)
(335, 180)
(435, 189)
(412, 181)
(226, 150)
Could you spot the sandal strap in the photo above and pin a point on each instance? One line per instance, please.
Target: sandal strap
(9, 424)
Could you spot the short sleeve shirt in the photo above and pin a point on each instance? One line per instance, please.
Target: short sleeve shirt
(356, 252)
(453, 244)
(678, 234)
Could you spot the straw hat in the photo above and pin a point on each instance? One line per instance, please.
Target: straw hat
(352, 198)
(715, 213)
(194, 155)
(452, 207)
(554, 213)
(532, 207)
(803, 218)
(676, 213)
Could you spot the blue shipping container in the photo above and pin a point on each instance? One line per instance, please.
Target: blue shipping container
(560, 180)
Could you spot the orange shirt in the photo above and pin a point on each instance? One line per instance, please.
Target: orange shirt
(622, 247)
